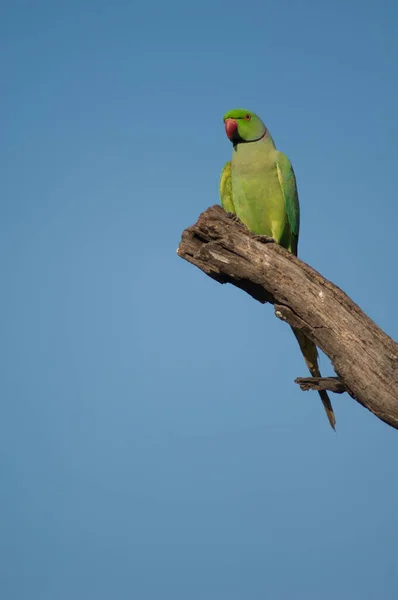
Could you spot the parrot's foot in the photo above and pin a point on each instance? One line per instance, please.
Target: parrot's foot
(265, 239)
(235, 217)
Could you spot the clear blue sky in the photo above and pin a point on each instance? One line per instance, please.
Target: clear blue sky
(153, 444)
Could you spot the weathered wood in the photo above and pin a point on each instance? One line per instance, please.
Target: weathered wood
(363, 356)
(329, 384)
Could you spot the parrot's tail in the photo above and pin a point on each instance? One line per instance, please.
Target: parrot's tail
(310, 353)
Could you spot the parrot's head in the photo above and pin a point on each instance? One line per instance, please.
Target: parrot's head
(241, 125)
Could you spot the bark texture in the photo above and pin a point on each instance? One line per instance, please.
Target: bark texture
(364, 358)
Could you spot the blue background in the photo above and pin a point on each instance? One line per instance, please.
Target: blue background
(153, 444)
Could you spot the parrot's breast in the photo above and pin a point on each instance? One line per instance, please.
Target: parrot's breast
(256, 191)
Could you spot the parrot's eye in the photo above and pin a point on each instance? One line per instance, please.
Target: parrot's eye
(247, 117)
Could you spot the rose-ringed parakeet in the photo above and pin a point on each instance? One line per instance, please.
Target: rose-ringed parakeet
(259, 186)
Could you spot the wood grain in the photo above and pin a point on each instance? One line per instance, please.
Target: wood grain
(365, 358)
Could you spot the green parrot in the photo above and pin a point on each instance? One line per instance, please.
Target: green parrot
(259, 186)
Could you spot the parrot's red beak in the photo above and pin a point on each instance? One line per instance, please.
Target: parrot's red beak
(231, 127)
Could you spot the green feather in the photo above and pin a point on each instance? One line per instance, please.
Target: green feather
(288, 185)
(226, 188)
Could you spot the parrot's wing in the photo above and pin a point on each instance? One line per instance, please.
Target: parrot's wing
(226, 188)
(287, 181)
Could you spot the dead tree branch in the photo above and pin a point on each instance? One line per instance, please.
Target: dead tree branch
(329, 384)
(363, 356)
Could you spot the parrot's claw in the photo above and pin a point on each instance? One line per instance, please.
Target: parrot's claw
(265, 239)
(235, 217)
